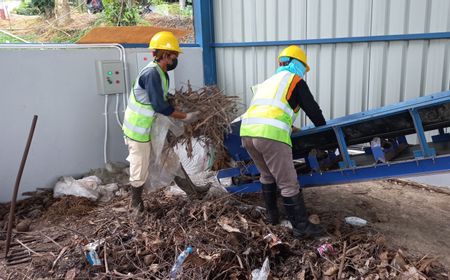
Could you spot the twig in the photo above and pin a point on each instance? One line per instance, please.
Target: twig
(313, 272)
(208, 118)
(105, 257)
(240, 262)
(26, 247)
(61, 253)
(341, 265)
(352, 249)
(57, 244)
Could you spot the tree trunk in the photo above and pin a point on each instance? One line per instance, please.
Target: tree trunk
(182, 4)
(62, 12)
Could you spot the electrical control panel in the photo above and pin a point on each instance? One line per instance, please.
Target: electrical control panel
(110, 77)
(145, 58)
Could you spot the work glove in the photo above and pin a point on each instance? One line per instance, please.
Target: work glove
(191, 117)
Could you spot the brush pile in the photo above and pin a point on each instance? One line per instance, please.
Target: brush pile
(230, 239)
(217, 111)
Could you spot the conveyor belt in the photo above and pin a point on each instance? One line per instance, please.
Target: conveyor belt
(392, 157)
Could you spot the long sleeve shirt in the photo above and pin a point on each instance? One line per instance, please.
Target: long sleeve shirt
(151, 82)
(301, 97)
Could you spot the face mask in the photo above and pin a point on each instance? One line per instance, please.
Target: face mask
(294, 66)
(173, 65)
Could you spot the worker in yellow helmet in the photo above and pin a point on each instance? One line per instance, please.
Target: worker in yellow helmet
(266, 134)
(149, 96)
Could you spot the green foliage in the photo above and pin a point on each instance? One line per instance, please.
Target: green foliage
(119, 13)
(44, 6)
(26, 9)
(157, 2)
(8, 39)
(174, 10)
(36, 7)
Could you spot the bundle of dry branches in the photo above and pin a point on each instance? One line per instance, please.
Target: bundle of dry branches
(217, 110)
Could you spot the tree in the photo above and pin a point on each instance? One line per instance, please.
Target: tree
(182, 4)
(62, 12)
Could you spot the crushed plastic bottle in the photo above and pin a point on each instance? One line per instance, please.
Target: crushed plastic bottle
(179, 263)
(91, 253)
(263, 273)
(355, 221)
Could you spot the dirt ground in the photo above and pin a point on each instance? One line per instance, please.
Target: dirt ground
(40, 29)
(410, 216)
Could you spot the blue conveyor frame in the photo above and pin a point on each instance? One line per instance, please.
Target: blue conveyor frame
(424, 158)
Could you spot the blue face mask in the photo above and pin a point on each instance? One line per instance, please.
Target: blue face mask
(295, 66)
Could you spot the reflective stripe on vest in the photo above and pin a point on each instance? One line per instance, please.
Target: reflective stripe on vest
(285, 107)
(269, 114)
(139, 114)
(272, 122)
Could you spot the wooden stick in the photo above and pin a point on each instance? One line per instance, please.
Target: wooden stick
(26, 247)
(341, 265)
(106, 261)
(12, 210)
(61, 253)
(313, 272)
(57, 244)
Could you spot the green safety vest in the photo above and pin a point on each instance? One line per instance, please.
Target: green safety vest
(139, 115)
(270, 116)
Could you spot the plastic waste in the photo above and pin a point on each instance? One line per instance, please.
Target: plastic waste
(355, 221)
(179, 263)
(325, 249)
(202, 157)
(89, 187)
(91, 253)
(165, 164)
(263, 273)
(85, 187)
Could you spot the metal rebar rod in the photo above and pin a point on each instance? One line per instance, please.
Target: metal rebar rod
(16, 187)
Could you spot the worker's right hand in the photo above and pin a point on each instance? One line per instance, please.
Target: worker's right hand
(191, 117)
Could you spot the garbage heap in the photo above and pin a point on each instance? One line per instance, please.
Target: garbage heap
(74, 238)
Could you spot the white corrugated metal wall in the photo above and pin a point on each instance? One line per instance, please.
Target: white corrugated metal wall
(345, 77)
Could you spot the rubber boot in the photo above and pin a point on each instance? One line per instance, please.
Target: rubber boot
(269, 192)
(136, 198)
(298, 216)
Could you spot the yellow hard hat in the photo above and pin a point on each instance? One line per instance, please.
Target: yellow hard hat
(164, 40)
(295, 52)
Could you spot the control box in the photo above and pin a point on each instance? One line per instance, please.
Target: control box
(143, 59)
(110, 77)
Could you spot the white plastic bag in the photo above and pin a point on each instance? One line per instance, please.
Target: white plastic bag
(164, 163)
(89, 187)
(202, 157)
(160, 127)
(86, 187)
(263, 273)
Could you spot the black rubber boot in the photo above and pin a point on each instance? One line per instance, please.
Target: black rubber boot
(269, 192)
(298, 216)
(136, 198)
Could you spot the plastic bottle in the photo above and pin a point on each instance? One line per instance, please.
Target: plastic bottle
(179, 263)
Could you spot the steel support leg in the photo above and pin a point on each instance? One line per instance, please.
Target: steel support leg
(425, 150)
(343, 150)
